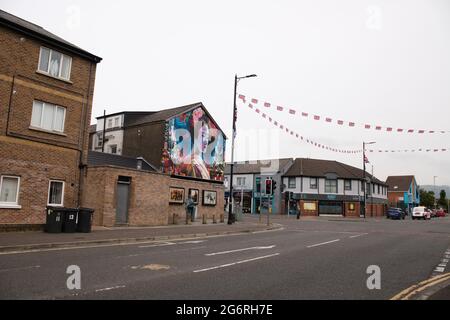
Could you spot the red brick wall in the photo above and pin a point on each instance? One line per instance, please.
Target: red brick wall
(307, 213)
(38, 156)
(149, 197)
(352, 213)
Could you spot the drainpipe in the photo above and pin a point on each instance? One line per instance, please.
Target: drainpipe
(82, 166)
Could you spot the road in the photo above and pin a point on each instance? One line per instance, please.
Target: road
(325, 259)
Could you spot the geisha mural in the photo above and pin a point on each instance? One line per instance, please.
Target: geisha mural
(194, 147)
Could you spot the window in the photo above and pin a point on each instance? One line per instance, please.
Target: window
(116, 122)
(113, 149)
(347, 184)
(291, 182)
(351, 207)
(110, 123)
(241, 181)
(378, 187)
(48, 116)
(55, 64)
(373, 188)
(258, 184)
(309, 206)
(330, 186)
(99, 140)
(56, 193)
(313, 183)
(9, 190)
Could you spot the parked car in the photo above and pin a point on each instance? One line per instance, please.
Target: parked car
(440, 213)
(395, 213)
(433, 213)
(421, 213)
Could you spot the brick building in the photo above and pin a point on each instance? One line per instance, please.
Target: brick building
(46, 92)
(165, 156)
(325, 187)
(403, 192)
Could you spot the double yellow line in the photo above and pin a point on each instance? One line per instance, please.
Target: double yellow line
(417, 288)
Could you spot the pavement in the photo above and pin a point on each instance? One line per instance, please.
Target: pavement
(325, 258)
(31, 240)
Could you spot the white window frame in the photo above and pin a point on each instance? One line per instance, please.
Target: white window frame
(292, 185)
(40, 127)
(11, 205)
(348, 188)
(47, 72)
(62, 195)
(314, 186)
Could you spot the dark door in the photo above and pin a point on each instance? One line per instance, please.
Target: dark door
(123, 189)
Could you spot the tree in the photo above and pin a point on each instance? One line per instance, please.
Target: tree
(426, 198)
(442, 199)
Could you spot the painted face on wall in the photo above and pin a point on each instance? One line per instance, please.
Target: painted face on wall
(194, 146)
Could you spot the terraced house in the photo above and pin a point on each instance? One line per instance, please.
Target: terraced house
(46, 91)
(325, 187)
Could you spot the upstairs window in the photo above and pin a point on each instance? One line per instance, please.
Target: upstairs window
(313, 183)
(330, 186)
(291, 182)
(55, 64)
(48, 116)
(347, 185)
(241, 181)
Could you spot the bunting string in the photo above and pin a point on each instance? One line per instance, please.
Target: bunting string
(330, 120)
(292, 133)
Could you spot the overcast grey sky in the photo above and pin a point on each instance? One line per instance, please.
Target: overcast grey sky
(381, 62)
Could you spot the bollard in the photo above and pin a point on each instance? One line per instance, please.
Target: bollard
(214, 218)
(204, 218)
(188, 220)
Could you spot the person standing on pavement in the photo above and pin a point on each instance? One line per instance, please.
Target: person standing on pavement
(190, 207)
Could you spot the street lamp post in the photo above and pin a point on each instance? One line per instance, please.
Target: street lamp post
(231, 217)
(364, 175)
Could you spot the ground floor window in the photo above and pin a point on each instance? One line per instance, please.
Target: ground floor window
(9, 190)
(56, 193)
(309, 206)
(330, 207)
(351, 207)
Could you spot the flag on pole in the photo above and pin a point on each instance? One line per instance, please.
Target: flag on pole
(366, 160)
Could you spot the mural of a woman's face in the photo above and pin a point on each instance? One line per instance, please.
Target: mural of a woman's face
(204, 138)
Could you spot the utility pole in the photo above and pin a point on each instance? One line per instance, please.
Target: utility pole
(231, 217)
(364, 175)
(104, 130)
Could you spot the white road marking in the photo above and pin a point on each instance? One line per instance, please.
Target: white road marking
(192, 241)
(161, 244)
(238, 250)
(322, 243)
(235, 263)
(439, 269)
(358, 235)
(111, 288)
(20, 268)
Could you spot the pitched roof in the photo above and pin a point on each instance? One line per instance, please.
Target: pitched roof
(101, 158)
(164, 114)
(399, 183)
(37, 32)
(257, 165)
(320, 168)
(135, 118)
